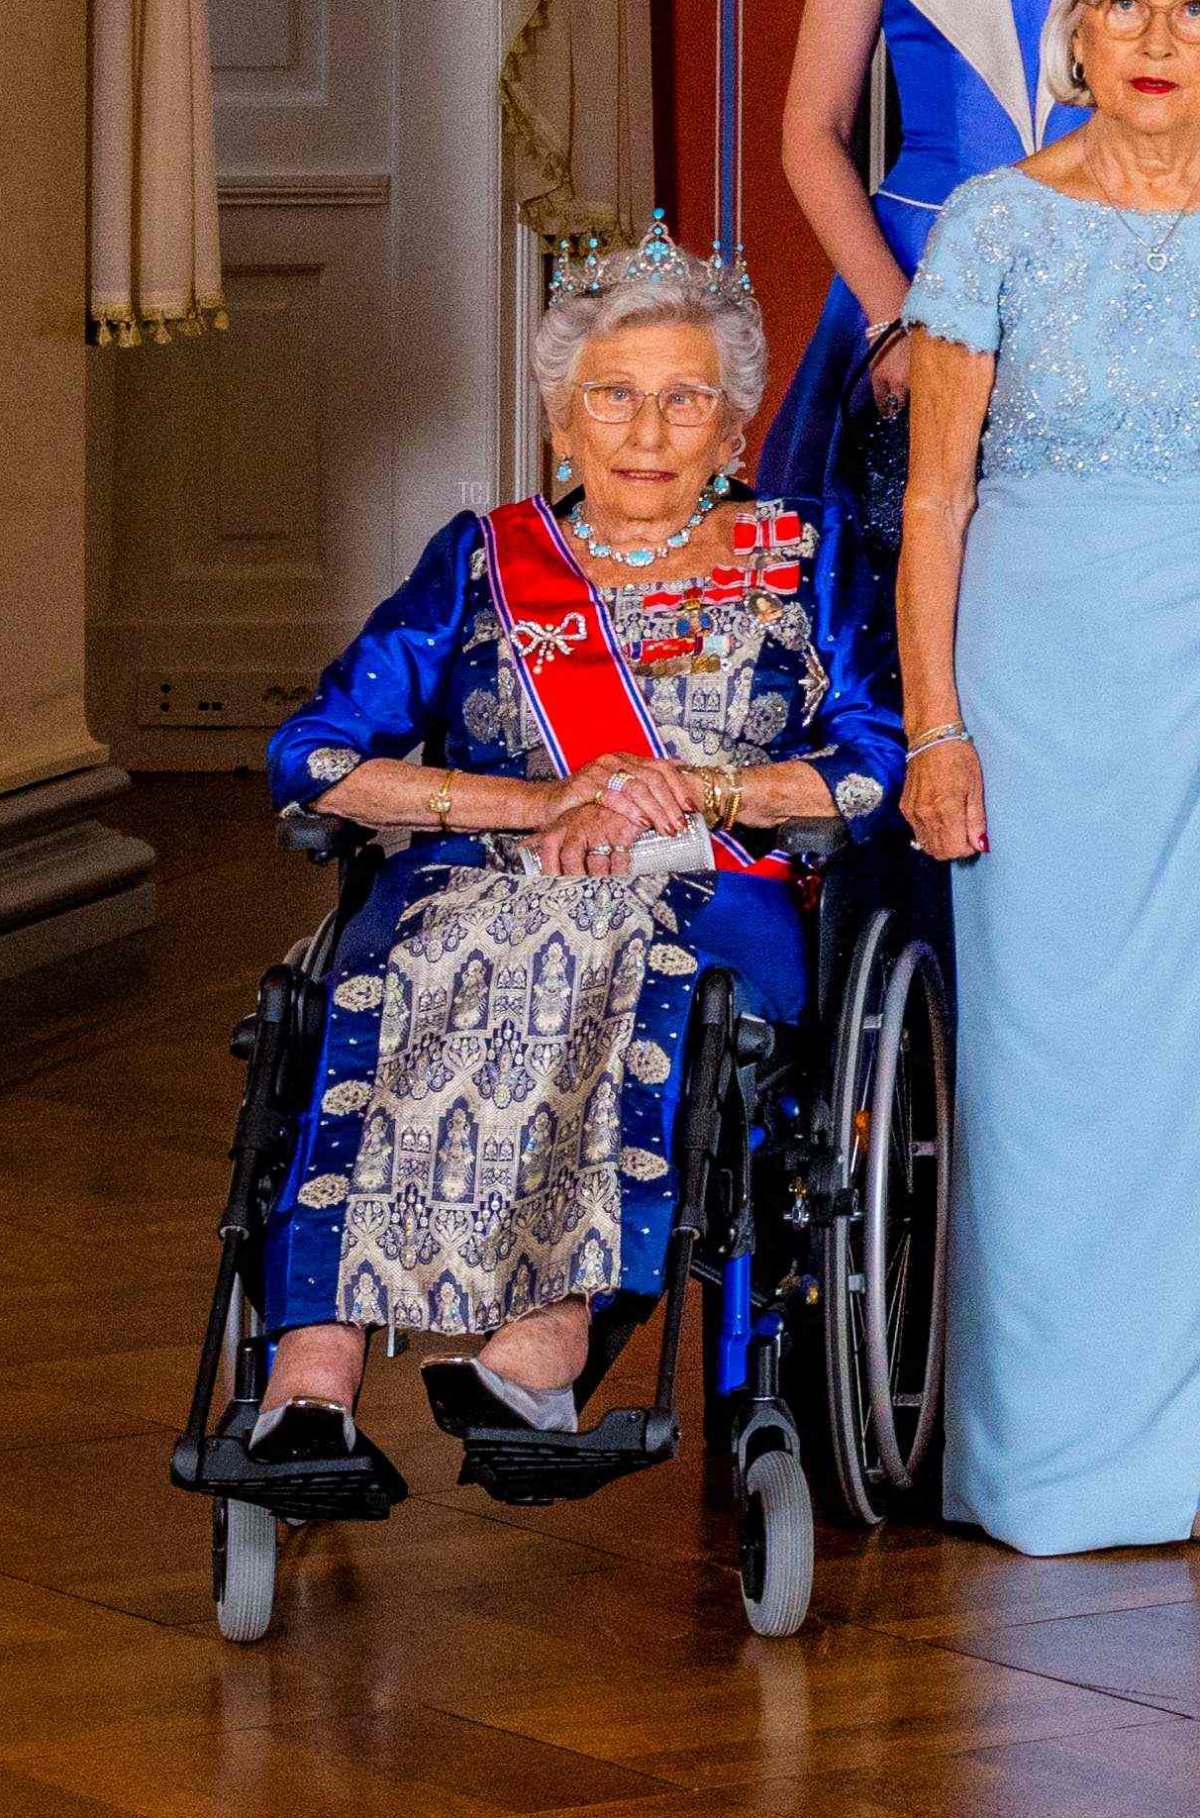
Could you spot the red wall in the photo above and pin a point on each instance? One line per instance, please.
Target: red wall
(790, 272)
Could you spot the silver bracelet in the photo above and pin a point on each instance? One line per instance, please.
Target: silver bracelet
(874, 330)
(947, 738)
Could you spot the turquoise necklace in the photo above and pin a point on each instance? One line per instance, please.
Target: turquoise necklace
(715, 490)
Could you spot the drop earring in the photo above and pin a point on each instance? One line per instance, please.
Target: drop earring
(564, 470)
(721, 481)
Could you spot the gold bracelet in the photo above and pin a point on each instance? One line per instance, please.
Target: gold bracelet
(711, 809)
(733, 802)
(439, 803)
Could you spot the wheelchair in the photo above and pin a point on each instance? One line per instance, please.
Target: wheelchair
(814, 1164)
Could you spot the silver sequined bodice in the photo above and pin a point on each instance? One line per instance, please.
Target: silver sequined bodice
(1098, 355)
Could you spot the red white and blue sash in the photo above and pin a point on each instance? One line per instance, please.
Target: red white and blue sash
(569, 658)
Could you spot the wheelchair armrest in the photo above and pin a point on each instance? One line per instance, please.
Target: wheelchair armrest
(813, 836)
(322, 836)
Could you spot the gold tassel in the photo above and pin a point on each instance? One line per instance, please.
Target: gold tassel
(192, 324)
(103, 332)
(221, 319)
(135, 334)
(125, 334)
(162, 334)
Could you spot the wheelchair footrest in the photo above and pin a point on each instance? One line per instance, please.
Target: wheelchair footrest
(518, 1465)
(362, 1487)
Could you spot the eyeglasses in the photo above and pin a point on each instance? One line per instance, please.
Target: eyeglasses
(1131, 18)
(684, 406)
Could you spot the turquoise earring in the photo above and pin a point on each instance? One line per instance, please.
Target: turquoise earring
(564, 470)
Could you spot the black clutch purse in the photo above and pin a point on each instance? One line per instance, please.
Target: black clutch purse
(874, 457)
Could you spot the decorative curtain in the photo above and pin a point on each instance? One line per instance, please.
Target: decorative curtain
(154, 246)
(575, 89)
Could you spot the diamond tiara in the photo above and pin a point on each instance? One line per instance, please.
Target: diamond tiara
(656, 258)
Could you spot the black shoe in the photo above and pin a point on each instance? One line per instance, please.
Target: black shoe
(301, 1430)
(464, 1394)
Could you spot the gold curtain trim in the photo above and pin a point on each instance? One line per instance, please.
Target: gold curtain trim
(559, 214)
(119, 324)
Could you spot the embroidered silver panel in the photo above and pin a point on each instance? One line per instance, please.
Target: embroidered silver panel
(857, 795)
(330, 763)
(487, 1177)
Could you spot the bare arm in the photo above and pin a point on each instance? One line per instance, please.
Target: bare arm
(389, 792)
(836, 41)
(951, 389)
(772, 793)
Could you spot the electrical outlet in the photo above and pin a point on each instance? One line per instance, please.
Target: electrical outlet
(210, 697)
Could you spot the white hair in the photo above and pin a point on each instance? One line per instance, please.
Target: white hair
(1058, 55)
(736, 328)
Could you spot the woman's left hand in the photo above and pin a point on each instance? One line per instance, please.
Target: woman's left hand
(589, 841)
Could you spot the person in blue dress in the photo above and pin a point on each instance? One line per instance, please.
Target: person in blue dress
(1050, 639)
(973, 95)
(489, 1142)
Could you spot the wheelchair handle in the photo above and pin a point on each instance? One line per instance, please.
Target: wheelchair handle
(813, 836)
(323, 836)
(328, 836)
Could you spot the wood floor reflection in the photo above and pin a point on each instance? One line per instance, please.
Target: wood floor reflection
(463, 1660)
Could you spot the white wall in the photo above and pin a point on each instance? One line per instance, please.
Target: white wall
(270, 485)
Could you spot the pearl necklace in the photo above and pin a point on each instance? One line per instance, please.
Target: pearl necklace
(715, 490)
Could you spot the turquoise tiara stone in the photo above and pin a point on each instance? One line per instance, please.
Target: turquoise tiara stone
(655, 258)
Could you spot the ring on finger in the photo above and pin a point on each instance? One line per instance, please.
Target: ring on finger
(602, 850)
(620, 779)
(916, 845)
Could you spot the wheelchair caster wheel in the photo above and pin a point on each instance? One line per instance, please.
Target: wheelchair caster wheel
(776, 1545)
(243, 1568)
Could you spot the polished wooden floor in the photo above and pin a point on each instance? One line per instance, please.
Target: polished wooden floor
(463, 1660)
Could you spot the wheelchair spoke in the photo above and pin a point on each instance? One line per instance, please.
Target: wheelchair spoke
(902, 1115)
(897, 1307)
(861, 1394)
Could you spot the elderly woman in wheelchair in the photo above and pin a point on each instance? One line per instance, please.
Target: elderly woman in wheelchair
(553, 1045)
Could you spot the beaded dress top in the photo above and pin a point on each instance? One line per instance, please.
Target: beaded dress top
(1097, 353)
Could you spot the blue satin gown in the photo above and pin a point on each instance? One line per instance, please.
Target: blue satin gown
(967, 106)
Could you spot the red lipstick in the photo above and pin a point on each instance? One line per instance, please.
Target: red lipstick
(1152, 85)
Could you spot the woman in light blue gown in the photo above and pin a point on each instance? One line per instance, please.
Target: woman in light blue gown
(1059, 310)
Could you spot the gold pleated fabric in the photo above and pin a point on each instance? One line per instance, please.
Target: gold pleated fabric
(154, 241)
(576, 95)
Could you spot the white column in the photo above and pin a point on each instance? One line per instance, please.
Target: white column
(57, 873)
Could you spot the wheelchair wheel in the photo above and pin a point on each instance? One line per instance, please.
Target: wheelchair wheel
(244, 1545)
(885, 1264)
(908, 1190)
(776, 1545)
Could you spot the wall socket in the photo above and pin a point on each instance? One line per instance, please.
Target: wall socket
(215, 697)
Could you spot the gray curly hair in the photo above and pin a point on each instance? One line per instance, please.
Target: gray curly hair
(735, 327)
(1058, 56)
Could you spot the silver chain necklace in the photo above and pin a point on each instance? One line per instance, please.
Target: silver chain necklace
(1157, 256)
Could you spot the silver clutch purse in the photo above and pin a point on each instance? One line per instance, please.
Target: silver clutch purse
(654, 853)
